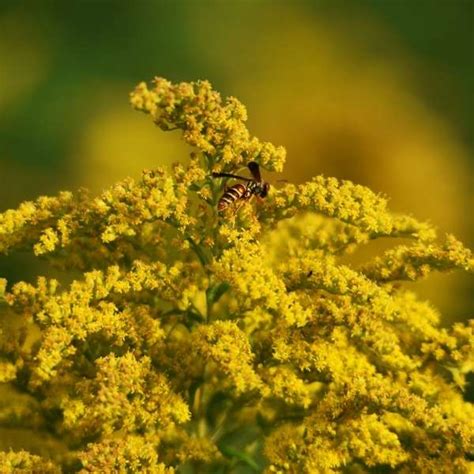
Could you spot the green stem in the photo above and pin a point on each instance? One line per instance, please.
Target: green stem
(243, 457)
(198, 251)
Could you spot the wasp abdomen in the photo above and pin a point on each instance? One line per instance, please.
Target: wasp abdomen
(234, 193)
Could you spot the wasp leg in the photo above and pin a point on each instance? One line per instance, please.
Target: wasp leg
(241, 202)
(238, 206)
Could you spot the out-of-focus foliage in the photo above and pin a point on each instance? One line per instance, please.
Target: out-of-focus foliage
(199, 341)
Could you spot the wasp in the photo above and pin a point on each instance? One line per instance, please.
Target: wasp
(239, 193)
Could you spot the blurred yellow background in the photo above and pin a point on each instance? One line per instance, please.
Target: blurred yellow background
(378, 92)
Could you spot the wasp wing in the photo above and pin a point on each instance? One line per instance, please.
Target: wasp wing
(255, 170)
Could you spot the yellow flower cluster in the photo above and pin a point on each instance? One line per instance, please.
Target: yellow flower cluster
(126, 395)
(411, 263)
(20, 227)
(349, 203)
(124, 454)
(228, 347)
(181, 339)
(215, 126)
(24, 462)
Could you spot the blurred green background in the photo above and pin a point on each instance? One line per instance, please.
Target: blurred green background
(376, 91)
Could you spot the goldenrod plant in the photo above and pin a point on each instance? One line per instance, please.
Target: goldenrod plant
(183, 339)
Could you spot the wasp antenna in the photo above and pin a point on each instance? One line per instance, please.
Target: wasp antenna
(229, 175)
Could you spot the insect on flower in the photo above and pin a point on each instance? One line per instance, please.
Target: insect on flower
(240, 193)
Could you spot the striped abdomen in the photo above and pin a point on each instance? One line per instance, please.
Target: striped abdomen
(234, 193)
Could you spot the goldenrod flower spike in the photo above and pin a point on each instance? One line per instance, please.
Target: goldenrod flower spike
(214, 126)
(350, 203)
(183, 339)
(417, 261)
(20, 227)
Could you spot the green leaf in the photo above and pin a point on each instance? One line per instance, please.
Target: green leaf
(215, 292)
(3, 288)
(241, 456)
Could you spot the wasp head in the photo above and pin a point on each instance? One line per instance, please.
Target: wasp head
(265, 187)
